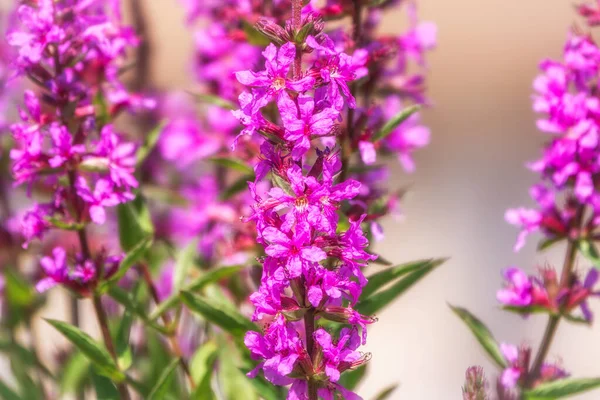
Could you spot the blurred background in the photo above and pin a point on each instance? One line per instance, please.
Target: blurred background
(482, 134)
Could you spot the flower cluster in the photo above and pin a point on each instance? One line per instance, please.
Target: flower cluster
(72, 51)
(518, 359)
(526, 293)
(312, 268)
(566, 96)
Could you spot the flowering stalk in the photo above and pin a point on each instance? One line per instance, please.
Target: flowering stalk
(566, 95)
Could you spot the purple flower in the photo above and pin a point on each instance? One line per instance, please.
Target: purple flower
(63, 150)
(303, 122)
(518, 290)
(341, 355)
(296, 248)
(121, 157)
(55, 268)
(273, 81)
(104, 195)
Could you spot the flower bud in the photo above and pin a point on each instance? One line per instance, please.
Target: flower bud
(272, 30)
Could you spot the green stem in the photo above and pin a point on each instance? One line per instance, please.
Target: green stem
(554, 320)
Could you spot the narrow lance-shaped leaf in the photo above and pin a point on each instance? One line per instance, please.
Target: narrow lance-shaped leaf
(214, 100)
(395, 121)
(381, 278)
(150, 142)
(124, 356)
(202, 367)
(482, 334)
(562, 388)
(162, 385)
(386, 393)
(236, 187)
(233, 381)
(198, 284)
(232, 163)
(135, 223)
(74, 373)
(133, 256)
(588, 249)
(351, 378)
(185, 261)
(7, 393)
(122, 297)
(379, 300)
(219, 313)
(104, 388)
(88, 346)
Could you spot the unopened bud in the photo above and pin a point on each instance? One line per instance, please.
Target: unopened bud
(272, 30)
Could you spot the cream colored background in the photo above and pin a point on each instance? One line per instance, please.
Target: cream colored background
(483, 132)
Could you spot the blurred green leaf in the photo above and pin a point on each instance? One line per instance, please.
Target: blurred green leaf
(395, 121)
(253, 36)
(562, 388)
(198, 284)
(125, 299)
(133, 256)
(150, 142)
(382, 278)
(220, 313)
(589, 251)
(159, 390)
(7, 393)
(18, 291)
(124, 355)
(74, 373)
(232, 163)
(65, 226)
(214, 100)
(547, 243)
(135, 223)
(381, 299)
(202, 367)
(101, 109)
(236, 187)
(482, 334)
(351, 378)
(576, 320)
(15, 350)
(104, 388)
(386, 393)
(185, 260)
(233, 381)
(88, 346)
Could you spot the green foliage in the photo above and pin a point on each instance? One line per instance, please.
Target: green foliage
(162, 385)
(562, 388)
(589, 251)
(380, 299)
(395, 121)
(202, 367)
(482, 334)
(219, 313)
(90, 348)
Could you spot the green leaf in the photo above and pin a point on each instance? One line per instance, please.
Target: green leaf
(220, 313)
(17, 290)
(482, 334)
(159, 390)
(281, 183)
(387, 392)
(395, 121)
(185, 261)
(232, 163)
(380, 279)
(523, 311)
(101, 109)
(135, 223)
(202, 367)
(150, 142)
(133, 256)
(577, 320)
(105, 389)
(88, 346)
(379, 300)
(562, 388)
(125, 299)
(199, 283)
(7, 393)
(351, 378)
(214, 100)
(64, 225)
(124, 355)
(547, 243)
(236, 187)
(74, 373)
(253, 36)
(266, 390)
(233, 381)
(588, 249)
